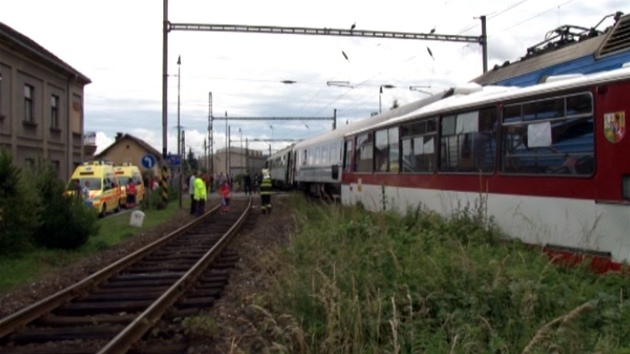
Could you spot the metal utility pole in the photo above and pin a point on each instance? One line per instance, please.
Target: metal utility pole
(228, 161)
(179, 127)
(181, 147)
(484, 43)
(205, 151)
(165, 30)
(210, 134)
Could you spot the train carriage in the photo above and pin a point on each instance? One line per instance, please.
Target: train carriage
(316, 161)
(280, 167)
(549, 162)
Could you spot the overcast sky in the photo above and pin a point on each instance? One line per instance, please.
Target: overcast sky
(118, 45)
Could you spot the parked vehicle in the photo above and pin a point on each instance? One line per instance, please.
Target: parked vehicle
(125, 174)
(104, 190)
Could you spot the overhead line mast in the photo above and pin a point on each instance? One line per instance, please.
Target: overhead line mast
(167, 27)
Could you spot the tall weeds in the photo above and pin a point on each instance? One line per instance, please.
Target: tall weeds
(357, 282)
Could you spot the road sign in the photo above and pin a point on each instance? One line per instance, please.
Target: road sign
(148, 161)
(174, 160)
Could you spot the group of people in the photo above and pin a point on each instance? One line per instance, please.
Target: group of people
(198, 190)
(251, 185)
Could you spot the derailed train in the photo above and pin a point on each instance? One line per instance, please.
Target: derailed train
(549, 162)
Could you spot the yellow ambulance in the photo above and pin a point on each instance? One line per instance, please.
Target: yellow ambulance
(129, 173)
(101, 182)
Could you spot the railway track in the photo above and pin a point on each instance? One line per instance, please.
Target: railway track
(112, 310)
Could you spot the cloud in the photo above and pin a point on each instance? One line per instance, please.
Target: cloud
(118, 44)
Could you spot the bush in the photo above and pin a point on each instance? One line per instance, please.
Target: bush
(66, 222)
(17, 205)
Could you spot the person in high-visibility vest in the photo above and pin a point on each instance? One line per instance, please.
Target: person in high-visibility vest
(200, 196)
(265, 192)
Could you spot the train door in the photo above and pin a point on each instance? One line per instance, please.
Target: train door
(291, 168)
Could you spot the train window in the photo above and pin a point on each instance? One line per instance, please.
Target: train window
(347, 161)
(579, 104)
(512, 113)
(468, 142)
(325, 159)
(364, 158)
(559, 141)
(418, 146)
(386, 150)
(448, 125)
(318, 155)
(394, 150)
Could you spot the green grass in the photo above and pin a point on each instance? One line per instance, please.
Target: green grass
(32, 266)
(420, 283)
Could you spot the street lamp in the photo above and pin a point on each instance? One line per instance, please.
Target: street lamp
(179, 128)
(380, 93)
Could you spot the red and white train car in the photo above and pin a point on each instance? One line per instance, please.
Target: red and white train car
(550, 162)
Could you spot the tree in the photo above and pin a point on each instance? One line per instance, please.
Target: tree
(66, 222)
(19, 216)
(192, 160)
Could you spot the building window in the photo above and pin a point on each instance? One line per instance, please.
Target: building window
(28, 103)
(54, 112)
(55, 166)
(1, 108)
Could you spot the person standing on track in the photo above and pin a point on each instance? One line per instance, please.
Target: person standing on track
(200, 195)
(247, 183)
(225, 192)
(265, 192)
(191, 191)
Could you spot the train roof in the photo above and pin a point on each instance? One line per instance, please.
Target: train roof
(282, 151)
(493, 94)
(567, 49)
(368, 122)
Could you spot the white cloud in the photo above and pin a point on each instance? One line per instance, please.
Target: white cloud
(118, 44)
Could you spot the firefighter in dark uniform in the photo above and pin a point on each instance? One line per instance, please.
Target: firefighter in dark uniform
(265, 192)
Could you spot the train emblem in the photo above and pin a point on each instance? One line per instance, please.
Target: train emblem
(615, 126)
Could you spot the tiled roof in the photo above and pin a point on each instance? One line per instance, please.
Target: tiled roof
(19, 41)
(138, 141)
